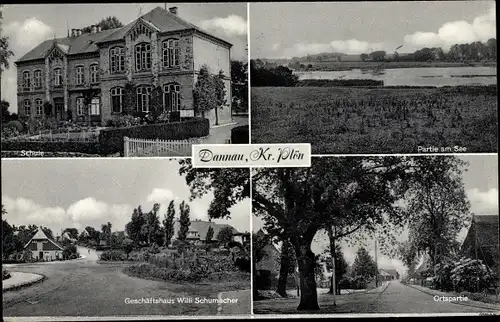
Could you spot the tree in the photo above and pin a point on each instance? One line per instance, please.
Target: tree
(438, 209)
(225, 235)
(8, 237)
(259, 243)
(151, 228)
(129, 98)
(184, 221)
(156, 103)
(229, 186)
(364, 266)
(72, 232)
(341, 266)
(210, 235)
(239, 85)
(378, 55)
(209, 92)
(5, 52)
(168, 223)
(364, 57)
(288, 262)
(106, 233)
(107, 23)
(128, 245)
(134, 226)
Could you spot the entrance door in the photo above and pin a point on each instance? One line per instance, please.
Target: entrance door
(59, 109)
(40, 255)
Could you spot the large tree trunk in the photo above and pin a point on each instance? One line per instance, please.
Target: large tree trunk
(284, 267)
(308, 294)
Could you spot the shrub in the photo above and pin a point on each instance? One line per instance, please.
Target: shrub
(113, 255)
(240, 135)
(111, 140)
(70, 252)
(123, 121)
(468, 274)
(443, 280)
(154, 249)
(5, 274)
(14, 125)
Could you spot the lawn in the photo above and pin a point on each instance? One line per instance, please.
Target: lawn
(339, 120)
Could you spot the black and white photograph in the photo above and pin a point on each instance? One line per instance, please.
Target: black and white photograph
(379, 235)
(92, 238)
(375, 77)
(133, 80)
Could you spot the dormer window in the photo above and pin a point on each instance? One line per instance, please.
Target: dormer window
(143, 57)
(171, 52)
(26, 80)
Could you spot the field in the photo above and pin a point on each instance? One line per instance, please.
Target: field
(338, 120)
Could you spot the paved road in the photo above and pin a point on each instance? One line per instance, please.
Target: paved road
(395, 298)
(85, 287)
(242, 305)
(220, 134)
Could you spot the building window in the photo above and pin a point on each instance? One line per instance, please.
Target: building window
(37, 79)
(142, 57)
(172, 97)
(80, 106)
(143, 98)
(26, 80)
(94, 73)
(116, 99)
(58, 80)
(171, 52)
(117, 59)
(79, 75)
(94, 106)
(27, 107)
(38, 107)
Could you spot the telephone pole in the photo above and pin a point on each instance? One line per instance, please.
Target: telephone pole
(334, 288)
(475, 250)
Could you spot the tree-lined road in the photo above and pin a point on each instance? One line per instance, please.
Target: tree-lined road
(85, 287)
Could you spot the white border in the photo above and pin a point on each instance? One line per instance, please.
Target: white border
(249, 100)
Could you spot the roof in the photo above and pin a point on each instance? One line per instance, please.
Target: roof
(40, 234)
(202, 227)
(484, 230)
(388, 271)
(159, 19)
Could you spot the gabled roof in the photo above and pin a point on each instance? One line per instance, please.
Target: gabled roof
(40, 235)
(202, 227)
(388, 271)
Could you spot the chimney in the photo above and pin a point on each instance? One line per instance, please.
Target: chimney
(93, 29)
(73, 32)
(173, 10)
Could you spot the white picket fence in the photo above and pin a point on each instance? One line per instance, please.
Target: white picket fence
(158, 148)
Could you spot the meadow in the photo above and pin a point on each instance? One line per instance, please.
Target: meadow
(340, 120)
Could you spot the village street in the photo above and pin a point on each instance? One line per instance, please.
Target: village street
(394, 298)
(85, 287)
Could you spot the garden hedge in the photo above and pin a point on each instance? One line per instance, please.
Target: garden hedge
(240, 135)
(54, 146)
(111, 140)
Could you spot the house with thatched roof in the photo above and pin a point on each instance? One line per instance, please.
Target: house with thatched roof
(198, 229)
(44, 248)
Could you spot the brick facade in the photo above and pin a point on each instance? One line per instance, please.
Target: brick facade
(194, 48)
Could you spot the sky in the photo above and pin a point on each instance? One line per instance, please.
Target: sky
(66, 193)
(481, 186)
(285, 30)
(29, 25)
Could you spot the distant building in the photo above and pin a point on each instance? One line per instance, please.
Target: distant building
(67, 237)
(483, 236)
(387, 275)
(198, 229)
(44, 248)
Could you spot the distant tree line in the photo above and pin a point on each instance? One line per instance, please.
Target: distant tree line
(270, 74)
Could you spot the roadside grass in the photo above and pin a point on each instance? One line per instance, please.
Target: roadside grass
(377, 120)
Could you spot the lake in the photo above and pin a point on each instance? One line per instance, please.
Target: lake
(426, 76)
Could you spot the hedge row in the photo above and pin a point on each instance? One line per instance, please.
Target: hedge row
(111, 140)
(240, 135)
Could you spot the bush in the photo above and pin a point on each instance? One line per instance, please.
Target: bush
(240, 135)
(111, 140)
(443, 280)
(465, 274)
(113, 255)
(5, 274)
(123, 121)
(14, 125)
(263, 280)
(70, 252)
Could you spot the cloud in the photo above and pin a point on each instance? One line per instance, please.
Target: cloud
(232, 25)
(351, 46)
(23, 36)
(481, 29)
(483, 202)
(82, 213)
(276, 46)
(162, 195)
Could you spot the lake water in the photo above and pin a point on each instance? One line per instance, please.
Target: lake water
(427, 76)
